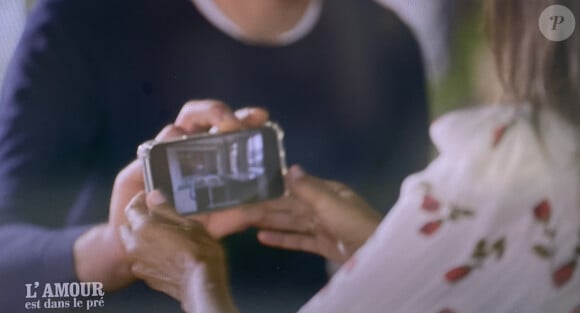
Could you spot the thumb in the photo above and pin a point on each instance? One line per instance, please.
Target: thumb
(312, 190)
(159, 206)
(252, 117)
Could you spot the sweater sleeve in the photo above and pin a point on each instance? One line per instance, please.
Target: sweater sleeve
(47, 131)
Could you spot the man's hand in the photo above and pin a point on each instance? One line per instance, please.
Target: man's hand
(99, 254)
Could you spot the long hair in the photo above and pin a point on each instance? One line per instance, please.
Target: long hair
(532, 68)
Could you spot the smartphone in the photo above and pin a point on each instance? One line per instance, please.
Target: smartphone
(205, 173)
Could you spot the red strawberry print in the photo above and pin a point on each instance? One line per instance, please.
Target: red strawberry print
(457, 273)
(498, 134)
(446, 311)
(542, 211)
(431, 227)
(563, 274)
(430, 204)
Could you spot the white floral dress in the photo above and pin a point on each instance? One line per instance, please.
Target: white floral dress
(491, 225)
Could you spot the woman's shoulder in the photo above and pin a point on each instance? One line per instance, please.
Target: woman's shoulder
(497, 152)
(452, 130)
(504, 128)
(498, 209)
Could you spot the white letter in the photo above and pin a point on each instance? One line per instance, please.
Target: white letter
(29, 293)
(61, 290)
(74, 289)
(47, 291)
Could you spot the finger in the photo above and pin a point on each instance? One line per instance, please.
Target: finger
(168, 287)
(318, 192)
(252, 117)
(350, 196)
(341, 190)
(128, 238)
(127, 183)
(160, 208)
(200, 115)
(312, 190)
(154, 279)
(170, 132)
(136, 212)
(149, 271)
(287, 214)
(335, 186)
(288, 222)
(226, 222)
(288, 241)
(130, 179)
(286, 203)
(227, 126)
(158, 205)
(131, 176)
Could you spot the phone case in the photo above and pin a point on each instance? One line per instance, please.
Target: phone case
(175, 153)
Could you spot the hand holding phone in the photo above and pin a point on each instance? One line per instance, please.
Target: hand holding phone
(207, 172)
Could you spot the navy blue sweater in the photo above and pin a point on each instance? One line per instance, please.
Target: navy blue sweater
(92, 79)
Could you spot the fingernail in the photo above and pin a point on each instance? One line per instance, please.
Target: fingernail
(124, 233)
(243, 113)
(214, 130)
(295, 172)
(155, 197)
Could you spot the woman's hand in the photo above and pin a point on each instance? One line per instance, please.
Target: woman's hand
(194, 118)
(99, 254)
(176, 255)
(318, 216)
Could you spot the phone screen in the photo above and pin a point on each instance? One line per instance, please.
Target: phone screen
(214, 172)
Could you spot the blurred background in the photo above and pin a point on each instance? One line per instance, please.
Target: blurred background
(458, 61)
(450, 32)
